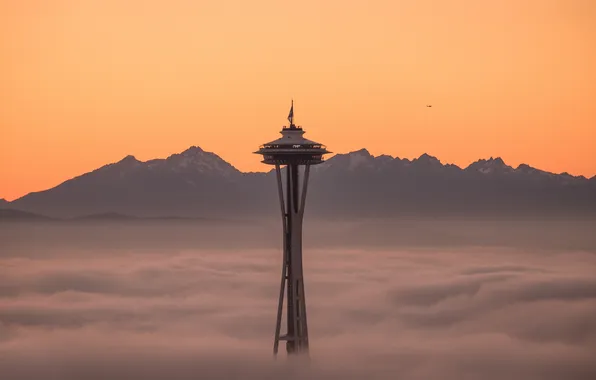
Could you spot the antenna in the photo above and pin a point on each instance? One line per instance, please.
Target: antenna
(291, 115)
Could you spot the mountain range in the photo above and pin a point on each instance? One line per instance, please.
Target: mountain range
(196, 183)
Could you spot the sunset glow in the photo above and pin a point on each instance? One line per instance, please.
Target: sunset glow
(85, 83)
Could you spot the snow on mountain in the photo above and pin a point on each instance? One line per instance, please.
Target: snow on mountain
(492, 165)
(196, 182)
(347, 161)
(196, 159)
(359, 158)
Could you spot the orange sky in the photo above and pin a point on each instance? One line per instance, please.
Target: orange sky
(84, 83)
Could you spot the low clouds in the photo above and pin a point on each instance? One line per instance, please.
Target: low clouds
(380, 313)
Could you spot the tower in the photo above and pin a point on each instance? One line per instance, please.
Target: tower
(293, 151)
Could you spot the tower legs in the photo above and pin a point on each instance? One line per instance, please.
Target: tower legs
(292, 280)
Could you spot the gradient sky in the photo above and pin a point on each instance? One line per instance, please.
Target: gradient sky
(84, 83)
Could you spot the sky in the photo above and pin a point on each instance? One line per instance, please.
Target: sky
(86, 82)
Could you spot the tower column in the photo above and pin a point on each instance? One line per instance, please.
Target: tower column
(292, 281)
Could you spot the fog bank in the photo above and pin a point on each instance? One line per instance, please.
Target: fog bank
(96, 302)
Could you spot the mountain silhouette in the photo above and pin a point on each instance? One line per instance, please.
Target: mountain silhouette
(190, 183)
(359, 183)
(7, 214)
(196, 183)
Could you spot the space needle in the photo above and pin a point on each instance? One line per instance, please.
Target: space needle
(293, 151)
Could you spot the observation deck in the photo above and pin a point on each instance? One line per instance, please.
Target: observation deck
(292, 148)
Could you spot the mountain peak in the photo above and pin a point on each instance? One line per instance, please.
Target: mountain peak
(195, 159)
(497, 161)
(192, 151)
(129, 159)
(572, 177)
(127, 162)
(532, 172)
(361, 152)
(490, 166)
(427, 159)
(350, 161)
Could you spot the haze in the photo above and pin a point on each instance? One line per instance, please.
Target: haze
(401, 299)
(87, 82)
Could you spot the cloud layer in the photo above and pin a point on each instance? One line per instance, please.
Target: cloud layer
(382, 313)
